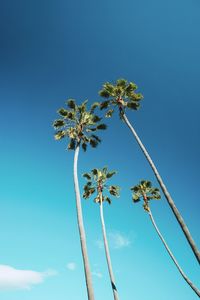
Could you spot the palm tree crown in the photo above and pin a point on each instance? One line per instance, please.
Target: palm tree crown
(78, 124)
(96, 182)
(122, 95)
(145, 191)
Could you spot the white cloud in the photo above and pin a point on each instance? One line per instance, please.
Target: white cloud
(97, 274)
(71, 266)
(11, 278)
(116, 240)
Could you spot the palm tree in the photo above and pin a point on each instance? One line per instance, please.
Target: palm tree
(96, 182)
(78, 124)
(123, 95)
(145, 191)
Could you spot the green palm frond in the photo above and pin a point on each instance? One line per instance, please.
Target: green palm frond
(110, 174)
(87, 176)
(104, 104)
(101, 126)
(60, 135)
(84, 147)
(97, 179)
(63, 112)
(93, 143)
(71, 103)
(108, 199)
(109, 113)
(58, 123)
(122, 93)
(96, 119)
(114, 190)
(71, 145)
(145, 191)
(94, 106)
(78, 124)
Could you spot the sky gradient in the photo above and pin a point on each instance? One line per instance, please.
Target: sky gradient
(54, 50)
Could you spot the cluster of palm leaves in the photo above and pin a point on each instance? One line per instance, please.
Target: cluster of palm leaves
(96, 182)
(121, 95)
(78, 124)
(144, 190)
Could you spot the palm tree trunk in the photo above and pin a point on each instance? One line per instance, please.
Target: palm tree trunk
(165, 191)
(88, 276)
(172, 256)
(112, 279)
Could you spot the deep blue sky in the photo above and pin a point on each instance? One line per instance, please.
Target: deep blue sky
(54, 50)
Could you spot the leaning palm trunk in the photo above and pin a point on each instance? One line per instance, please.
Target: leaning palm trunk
(88, 276)
(165, 191)
(172, 256)
(115, 293)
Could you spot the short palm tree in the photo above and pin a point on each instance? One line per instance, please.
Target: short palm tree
(78, 124)
(146, 192)
(123, 96)
(97, 183)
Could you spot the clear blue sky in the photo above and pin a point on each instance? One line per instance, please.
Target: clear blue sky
(54, 50)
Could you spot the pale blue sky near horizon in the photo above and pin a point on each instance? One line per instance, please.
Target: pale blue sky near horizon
(54, 50)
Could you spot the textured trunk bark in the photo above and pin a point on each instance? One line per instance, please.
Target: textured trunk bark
(112, 279)
(88, 276)
(172, 256)
(165, 192)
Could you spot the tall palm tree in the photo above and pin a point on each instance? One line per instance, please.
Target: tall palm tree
(78, 124)
(145, 191)
(97, 183)
(122, 96)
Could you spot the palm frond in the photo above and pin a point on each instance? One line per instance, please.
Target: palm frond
(110, 174)
(87, 176)
(96, 138)
(71, 145)
(60, 135)
(133, 105)
(102, 126)
(58, 123)
(84, 147)
(96, 119)
(94, 106)
(108, 199)
(104, 93)
(63, 112)
(122, 83)
(93, 143)
(71, 103)
(104, 104)
(109, 113)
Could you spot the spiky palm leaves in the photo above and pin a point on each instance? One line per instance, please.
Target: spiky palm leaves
(122, 95)
(78, 124)
(144, 190)
(97, 182)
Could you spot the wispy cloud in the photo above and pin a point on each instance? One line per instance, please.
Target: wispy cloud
(71, 266)
(116, 240)
(97, 274)
(11, 278)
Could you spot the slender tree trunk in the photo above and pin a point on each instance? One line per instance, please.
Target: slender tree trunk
(172, 256)
(88, 275)
(165, 191)
(112, 279)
